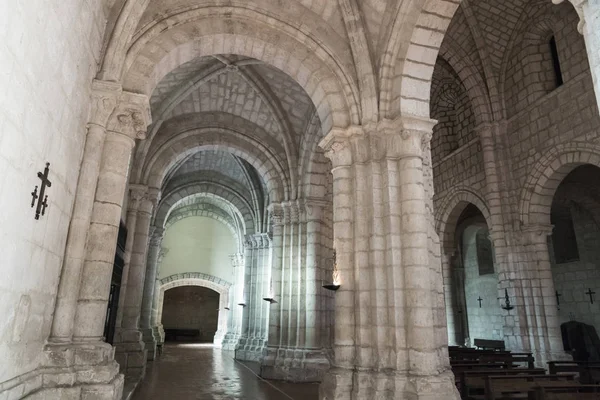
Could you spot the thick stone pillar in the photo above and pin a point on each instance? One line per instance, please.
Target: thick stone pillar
(289, 355)
(146, 324)
(390, 341)
(105, 96)
(231, 333)
(130, 349)
(78, 363)
(533, 324)
(255, 319)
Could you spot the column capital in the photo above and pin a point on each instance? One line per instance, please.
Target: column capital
(137, 193)
(237, 260)
(405, 136)
(131, 116)
(105, 96)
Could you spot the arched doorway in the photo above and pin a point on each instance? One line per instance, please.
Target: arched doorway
(573, 247)
(474, 280)
(197, 300)
(190, 314)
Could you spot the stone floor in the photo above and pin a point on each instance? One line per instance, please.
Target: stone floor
(199, 371)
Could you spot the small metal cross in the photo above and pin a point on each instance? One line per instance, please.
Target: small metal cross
(558, 296)
(591, 294)
(479, 300)
(43, 200)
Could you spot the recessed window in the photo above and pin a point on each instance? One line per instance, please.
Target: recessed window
(485, 253)
(564, 240)
(556, 62)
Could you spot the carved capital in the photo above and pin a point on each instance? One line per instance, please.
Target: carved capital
(338, 145)
(137, 193)
(277, 214)
(105, 96)
(404, 136)
(131, 116)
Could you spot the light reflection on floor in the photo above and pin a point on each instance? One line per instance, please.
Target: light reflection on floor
(199, 371)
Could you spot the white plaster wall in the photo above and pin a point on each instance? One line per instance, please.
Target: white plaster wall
(198, 244)
(48, 56)
(485, 322)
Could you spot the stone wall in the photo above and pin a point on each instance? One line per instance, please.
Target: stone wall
(48, 56)
(192, 307)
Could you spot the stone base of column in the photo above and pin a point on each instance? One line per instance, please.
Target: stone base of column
(159, 334)
(345, 384)
(79, 371)
(131, 354)
(149, 342)
(230, 341)
(250, 348)
(294, 365)
(219, 338)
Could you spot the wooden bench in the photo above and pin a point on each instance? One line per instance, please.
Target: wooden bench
(521, 386)
(472, 382)
(580, 392)
(589, 372)
(486, 344)
(518, 359)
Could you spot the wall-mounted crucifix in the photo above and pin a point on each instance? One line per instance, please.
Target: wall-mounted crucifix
(42, 203)
(591, 294)
(558, 296)
(479, 300)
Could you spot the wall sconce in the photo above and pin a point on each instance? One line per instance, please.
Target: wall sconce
(270, 297)
(336, 276)
(507, 306)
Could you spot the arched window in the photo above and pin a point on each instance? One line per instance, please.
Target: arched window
(556, 62)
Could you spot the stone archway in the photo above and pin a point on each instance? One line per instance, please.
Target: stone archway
(539, 188)
(204, 280)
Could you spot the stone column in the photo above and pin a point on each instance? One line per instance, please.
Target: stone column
(230, 321)
(155, 320)
(105, 96)
(533, 324)
(232, 332)
(130, 349)
(253, 333)
(296, 315)
(129, 124)
(78, 363)
(146, 323)
(135, 198)
(390, 342)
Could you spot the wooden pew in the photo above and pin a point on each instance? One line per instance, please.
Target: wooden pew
(472, 382)
(459, 369)
(580, 392)
(518, 359)
(486, 344)
(589, 372)
(520, 386)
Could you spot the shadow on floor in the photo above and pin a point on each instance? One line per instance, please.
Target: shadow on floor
(199, 371)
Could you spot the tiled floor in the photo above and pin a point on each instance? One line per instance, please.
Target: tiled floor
(198, 371)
